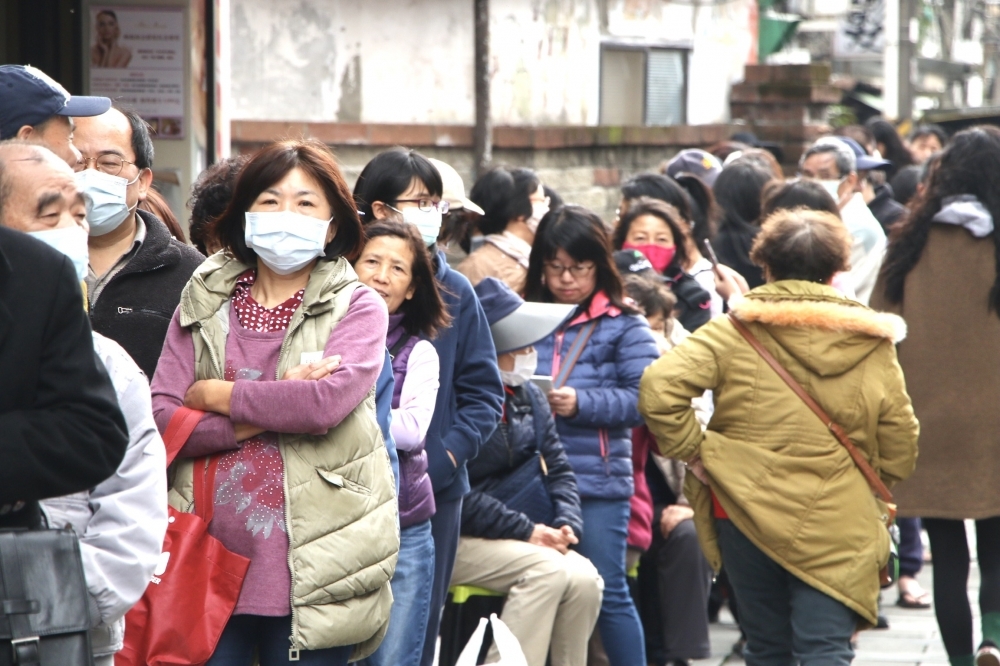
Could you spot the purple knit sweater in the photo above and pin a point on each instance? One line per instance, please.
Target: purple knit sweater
(249, 512)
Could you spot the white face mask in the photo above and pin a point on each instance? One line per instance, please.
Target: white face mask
(524, 367)
(427, 222)
(833, 187)
(285, 241)
(71, 241)
(107, 207)
(539, 209)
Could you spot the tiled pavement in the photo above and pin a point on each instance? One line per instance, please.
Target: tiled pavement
(911, 640)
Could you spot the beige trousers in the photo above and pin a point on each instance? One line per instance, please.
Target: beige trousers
(553, 600)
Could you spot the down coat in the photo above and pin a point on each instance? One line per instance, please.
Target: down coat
(598, 440)
(782, 478)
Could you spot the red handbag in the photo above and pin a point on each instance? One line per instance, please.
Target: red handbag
(197, 581)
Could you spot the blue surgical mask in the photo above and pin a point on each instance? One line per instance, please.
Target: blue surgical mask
(285, 241)
(71, 241)
(107, 207)
(427, 222)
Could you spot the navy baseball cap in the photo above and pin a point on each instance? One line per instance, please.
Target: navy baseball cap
(29, 96)
(865, 161)
(514, 323)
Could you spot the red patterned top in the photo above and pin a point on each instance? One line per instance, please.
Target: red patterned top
(254, 316)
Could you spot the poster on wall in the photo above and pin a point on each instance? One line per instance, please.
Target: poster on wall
(137, 59)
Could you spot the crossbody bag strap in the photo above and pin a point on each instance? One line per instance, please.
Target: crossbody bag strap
(575, 350)
(399, 344)
(878, 487)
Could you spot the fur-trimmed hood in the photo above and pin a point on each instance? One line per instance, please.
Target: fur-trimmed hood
(824, 331)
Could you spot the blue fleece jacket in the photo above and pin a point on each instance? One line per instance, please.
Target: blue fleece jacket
(470, 398)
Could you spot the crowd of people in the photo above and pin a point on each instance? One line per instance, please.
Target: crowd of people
(570, 411)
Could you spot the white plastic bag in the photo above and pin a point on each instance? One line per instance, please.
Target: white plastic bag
(507, 645)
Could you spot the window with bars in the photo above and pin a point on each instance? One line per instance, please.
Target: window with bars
(643, 85)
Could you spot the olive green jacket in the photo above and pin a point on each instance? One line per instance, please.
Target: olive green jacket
(340, 503)
(781, 476)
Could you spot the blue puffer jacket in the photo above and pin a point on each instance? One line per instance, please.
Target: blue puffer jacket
(598, 440)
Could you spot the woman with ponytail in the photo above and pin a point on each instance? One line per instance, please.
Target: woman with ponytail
(942, 274)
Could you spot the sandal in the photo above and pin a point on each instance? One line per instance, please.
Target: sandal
(912, 595)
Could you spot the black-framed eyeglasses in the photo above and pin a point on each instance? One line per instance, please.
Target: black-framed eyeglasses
(109, 164)
(577, 271)
(427, 205)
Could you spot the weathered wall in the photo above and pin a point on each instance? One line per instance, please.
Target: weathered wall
(410, 61)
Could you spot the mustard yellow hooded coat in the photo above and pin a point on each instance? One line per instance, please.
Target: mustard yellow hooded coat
(780, 475)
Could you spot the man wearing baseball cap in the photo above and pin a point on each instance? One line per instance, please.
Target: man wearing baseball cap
(36, 109)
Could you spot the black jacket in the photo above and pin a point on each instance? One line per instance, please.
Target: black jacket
(693, 302)
(512, 443)
(732, 244)
(886, 209)
(60, 427)
(135, 307)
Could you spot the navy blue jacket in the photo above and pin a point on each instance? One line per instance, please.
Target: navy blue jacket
(470, 398)
(598, 440)
(514, 442)
(383, 413)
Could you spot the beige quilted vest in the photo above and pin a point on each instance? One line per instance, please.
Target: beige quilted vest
(340, 503)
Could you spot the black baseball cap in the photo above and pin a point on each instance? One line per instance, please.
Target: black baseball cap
(29, 96)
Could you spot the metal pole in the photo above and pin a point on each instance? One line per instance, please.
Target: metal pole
(897, 61)
(482, 138)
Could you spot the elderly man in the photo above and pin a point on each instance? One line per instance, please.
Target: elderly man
(62, 429)
(121, 521)
(833, 163)
(137, 271)
(36, 109)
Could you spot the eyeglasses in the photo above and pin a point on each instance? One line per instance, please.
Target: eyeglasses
(427, 205)
(577, 271)
(109, 164)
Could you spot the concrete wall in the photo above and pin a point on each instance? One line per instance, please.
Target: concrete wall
(410, 61)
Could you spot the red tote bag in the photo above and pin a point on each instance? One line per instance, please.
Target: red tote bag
(192, 594)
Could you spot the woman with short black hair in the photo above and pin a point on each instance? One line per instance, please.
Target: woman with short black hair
(514, 202)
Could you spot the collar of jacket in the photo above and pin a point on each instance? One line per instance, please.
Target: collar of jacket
(214, 281)
(797, 303)
(599, 307)
(156, 251)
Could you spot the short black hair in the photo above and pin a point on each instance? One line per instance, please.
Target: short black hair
(210, 195)
(658, 186)
(929, 129)
(142, 141)
(504, 195)
(797, 193)
(389, 174)
(904, 183)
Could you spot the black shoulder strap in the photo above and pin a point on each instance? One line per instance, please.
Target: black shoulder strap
(403, 339)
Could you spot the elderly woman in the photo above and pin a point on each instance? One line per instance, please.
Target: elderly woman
(777, 498)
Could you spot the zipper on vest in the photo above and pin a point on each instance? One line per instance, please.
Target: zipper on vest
(293, 650)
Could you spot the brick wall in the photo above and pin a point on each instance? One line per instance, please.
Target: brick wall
(786, 104)
(586, 165)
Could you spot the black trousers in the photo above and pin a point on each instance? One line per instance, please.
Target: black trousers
(674, 583)
(951, 577)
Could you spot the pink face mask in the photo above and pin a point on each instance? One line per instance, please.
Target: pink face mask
(659, 256)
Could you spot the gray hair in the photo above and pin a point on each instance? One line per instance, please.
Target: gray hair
(847, 163)
(17, 149)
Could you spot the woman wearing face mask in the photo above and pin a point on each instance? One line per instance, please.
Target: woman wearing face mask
(514, 202)
(281, 345)
(396, 264)
(403, 185)
(653, 228)
(597, 360)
